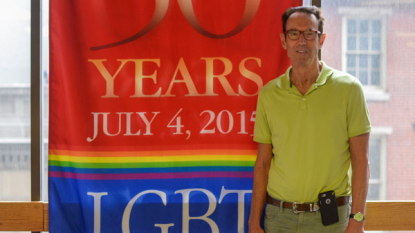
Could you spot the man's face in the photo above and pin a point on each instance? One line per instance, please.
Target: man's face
(302, 51)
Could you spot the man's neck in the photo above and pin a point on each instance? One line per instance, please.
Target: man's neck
(303, 76)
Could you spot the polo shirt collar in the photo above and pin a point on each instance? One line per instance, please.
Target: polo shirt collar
(284, 82)
(325, 73)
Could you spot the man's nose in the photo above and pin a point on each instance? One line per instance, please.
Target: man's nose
(302, 39)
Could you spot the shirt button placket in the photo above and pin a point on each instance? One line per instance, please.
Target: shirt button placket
(303, 103)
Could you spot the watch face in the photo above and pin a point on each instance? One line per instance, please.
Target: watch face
(358, 216)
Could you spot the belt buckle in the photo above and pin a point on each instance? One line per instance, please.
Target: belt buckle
(295, 208)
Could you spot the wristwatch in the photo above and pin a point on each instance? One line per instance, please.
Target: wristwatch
(357, 216)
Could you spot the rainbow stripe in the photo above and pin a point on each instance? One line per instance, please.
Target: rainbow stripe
(174, 164)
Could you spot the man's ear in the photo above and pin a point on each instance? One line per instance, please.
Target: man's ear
(322, 39)
(283, 40)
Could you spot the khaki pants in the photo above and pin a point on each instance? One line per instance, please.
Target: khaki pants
(280, 220)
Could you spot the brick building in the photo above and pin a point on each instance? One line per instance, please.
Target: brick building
(375, 40)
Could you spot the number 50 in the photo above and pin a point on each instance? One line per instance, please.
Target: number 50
(186, 7)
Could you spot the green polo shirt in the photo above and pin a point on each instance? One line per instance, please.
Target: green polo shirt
(310, 134)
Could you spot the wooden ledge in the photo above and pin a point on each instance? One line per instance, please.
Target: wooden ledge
(390, 216)
(22, 216)
(380, 216)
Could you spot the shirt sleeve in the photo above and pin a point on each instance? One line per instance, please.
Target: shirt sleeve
(262, 132)
(358, 121)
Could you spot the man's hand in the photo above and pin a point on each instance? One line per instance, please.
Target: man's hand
(255, 229)
(354, 227)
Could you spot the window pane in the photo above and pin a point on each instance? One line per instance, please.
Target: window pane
(376, 26)
(15, 171)
(364, 27)
(364, 43)
(376, 61)
(351, 43)
(351, 61)
(376, 43)
(351, 26)
(363, 77)
(374, 157)
(351, 72)
(363, 61)
(15, 101)
(374, 191)
(375, 78)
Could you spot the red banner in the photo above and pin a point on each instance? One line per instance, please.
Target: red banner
(164, 88)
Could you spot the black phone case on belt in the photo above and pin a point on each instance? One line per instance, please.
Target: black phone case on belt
(328, 208)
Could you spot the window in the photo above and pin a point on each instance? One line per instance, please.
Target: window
(364, 49)
(15, 101)
(377, 160)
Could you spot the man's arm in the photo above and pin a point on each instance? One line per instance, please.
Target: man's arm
(259, 190)
(359, 148)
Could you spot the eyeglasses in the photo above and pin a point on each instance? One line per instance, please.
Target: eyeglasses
(309, 34)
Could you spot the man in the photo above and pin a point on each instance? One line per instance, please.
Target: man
(312, 124)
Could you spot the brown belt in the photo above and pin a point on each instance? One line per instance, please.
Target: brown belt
(299, 207)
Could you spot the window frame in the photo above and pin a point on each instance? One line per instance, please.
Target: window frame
(36, 99)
